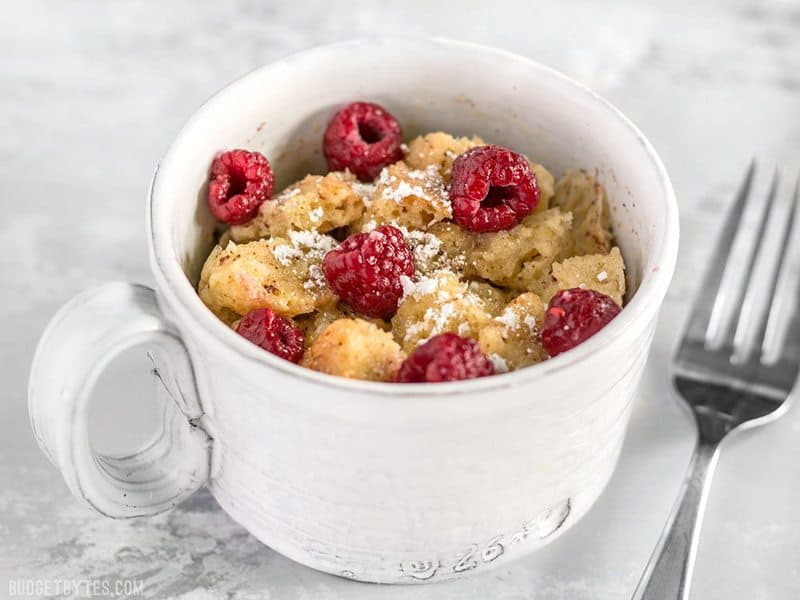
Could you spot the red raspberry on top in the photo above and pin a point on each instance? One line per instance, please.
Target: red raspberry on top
(492, 189)
(240, 183)
(445, 357)
(273, 333)
(573, 316)
(365, 270)
(364, 138)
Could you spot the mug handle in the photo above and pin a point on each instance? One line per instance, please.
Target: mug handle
(78, 344)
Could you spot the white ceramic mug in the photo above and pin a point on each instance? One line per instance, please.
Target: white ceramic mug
(373, 481)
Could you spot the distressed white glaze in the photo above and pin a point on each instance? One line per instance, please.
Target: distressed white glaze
(404, 483)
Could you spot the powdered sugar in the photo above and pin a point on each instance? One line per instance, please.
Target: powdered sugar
(313, 242)
(384, 178)
(426, 185)
(289, 192)
(316, 278)
(422, 287)
(509, 318)
(439, 318)
(286, 254)
(413, 330)
(447, 311)
(365, 190)
(316, 214)
(500, 364)
(408, 285)
(428, 249)
(311, 246)
(402, 191)
(425, 246)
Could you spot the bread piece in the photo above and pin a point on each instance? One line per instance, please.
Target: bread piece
(434, 305)
(494, 297)
(586, 198)
(438, 150)
(314, 203)
(511, 340)
(313, 324)
(280, 274)
(604, 273)
(442, 247)
(520, 258)
(356, 349)
(546, 184)
(414, 199)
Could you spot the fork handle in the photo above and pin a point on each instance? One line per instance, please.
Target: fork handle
(669, 570)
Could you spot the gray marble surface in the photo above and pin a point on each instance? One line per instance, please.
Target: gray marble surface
(92, 92)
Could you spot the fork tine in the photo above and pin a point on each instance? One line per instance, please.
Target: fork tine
(702, 310)
(741, 307)
(792, 340)
(790, 353)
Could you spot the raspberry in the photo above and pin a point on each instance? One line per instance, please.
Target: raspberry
(365, 270)
(445, 357)
(273, 333)
(573, 316)
(364, 138)
(240, 182)
(492, 188)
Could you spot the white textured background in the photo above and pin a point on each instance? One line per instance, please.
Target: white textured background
(91, 94)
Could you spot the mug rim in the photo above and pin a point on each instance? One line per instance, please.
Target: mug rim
(645, 303)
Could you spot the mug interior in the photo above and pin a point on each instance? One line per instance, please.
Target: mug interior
(281, 111)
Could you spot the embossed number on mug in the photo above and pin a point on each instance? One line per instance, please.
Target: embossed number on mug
(544, 525)
(419, 569)
(493, 549)
(465, 563)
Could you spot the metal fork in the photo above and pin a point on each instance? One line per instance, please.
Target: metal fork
(724, 381)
